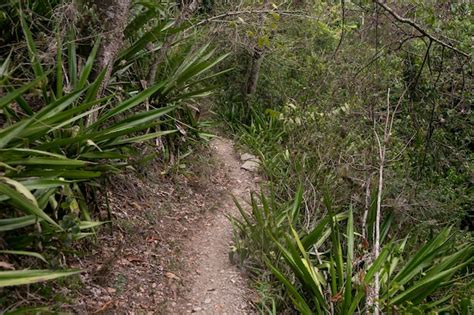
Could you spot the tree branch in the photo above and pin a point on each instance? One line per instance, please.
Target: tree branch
(343, 22)
(419, 28)
(243, 12)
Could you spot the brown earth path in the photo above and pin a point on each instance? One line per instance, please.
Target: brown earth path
(168, 248)
(214, 285)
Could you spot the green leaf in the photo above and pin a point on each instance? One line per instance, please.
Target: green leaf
(133, 123)
(317, 234)
(296, 204)
(349, 259)
(22, 198)
(85, 225)
(38, 183)
(24, 253)
(12, 132)
(20, 277)
(87, 69)
(21, 102)
(128, 104)
(37, 68)
(17, 223)
(69, 174)
(64, 163)
(4, 68)
(426, 285)
(154, 35)
(377, 265)
(59, 66)
(72, 59)
(139, 139)
(93, 89)
(12, 95)
(139, 21)
(56, 106)
(422, 257)
(297, 299)
(33, 152)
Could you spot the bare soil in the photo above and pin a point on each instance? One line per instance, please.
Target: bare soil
(169, 249)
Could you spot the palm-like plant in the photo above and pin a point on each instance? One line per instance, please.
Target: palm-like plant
(326, 271)
(49, 153)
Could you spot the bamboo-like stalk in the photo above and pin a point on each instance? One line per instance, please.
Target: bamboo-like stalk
(373, 292)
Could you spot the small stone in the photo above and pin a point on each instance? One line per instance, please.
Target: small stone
(247, 156)
(197, 309)
(207, 301)
(251, 165)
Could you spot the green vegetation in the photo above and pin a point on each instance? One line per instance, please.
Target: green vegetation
(324, 269)
(360, 113)
(334, 93)
(60, 134)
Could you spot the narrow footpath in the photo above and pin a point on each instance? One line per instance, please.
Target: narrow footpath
(214, 285)
(167, 251)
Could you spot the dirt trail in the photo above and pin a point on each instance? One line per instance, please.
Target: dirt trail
(169, 251)
(213, 285)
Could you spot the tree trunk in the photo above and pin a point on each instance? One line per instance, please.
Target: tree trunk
(257, 58)
(114, 14)
(254, 71)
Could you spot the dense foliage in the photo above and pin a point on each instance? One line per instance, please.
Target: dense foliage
(53, 157)
(330, 81)
(360, 113)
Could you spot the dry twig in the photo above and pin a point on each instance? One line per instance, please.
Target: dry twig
(419, 28)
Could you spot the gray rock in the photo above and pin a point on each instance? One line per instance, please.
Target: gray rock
(246, 157)
(251, 165)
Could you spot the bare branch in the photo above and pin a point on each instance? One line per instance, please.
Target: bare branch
(419, 28)
(343, 26)
(244, 12)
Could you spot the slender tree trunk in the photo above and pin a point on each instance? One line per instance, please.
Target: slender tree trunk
(114, 14)
(254, 71)
(373, 291)
(257, 59)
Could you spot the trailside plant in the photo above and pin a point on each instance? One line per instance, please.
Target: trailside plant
(328, 269)
(52, 153)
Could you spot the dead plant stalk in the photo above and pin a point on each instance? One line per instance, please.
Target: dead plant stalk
(373, 294)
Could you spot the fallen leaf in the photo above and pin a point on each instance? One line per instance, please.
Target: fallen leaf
(136, 205)
(103, 307)
(111, 290)
(5, 265)
(336, 297)
(132, 258)
(171, 275)
(151, 239)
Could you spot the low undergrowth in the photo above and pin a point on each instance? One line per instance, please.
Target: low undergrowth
(321, 115)
(67, 128)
